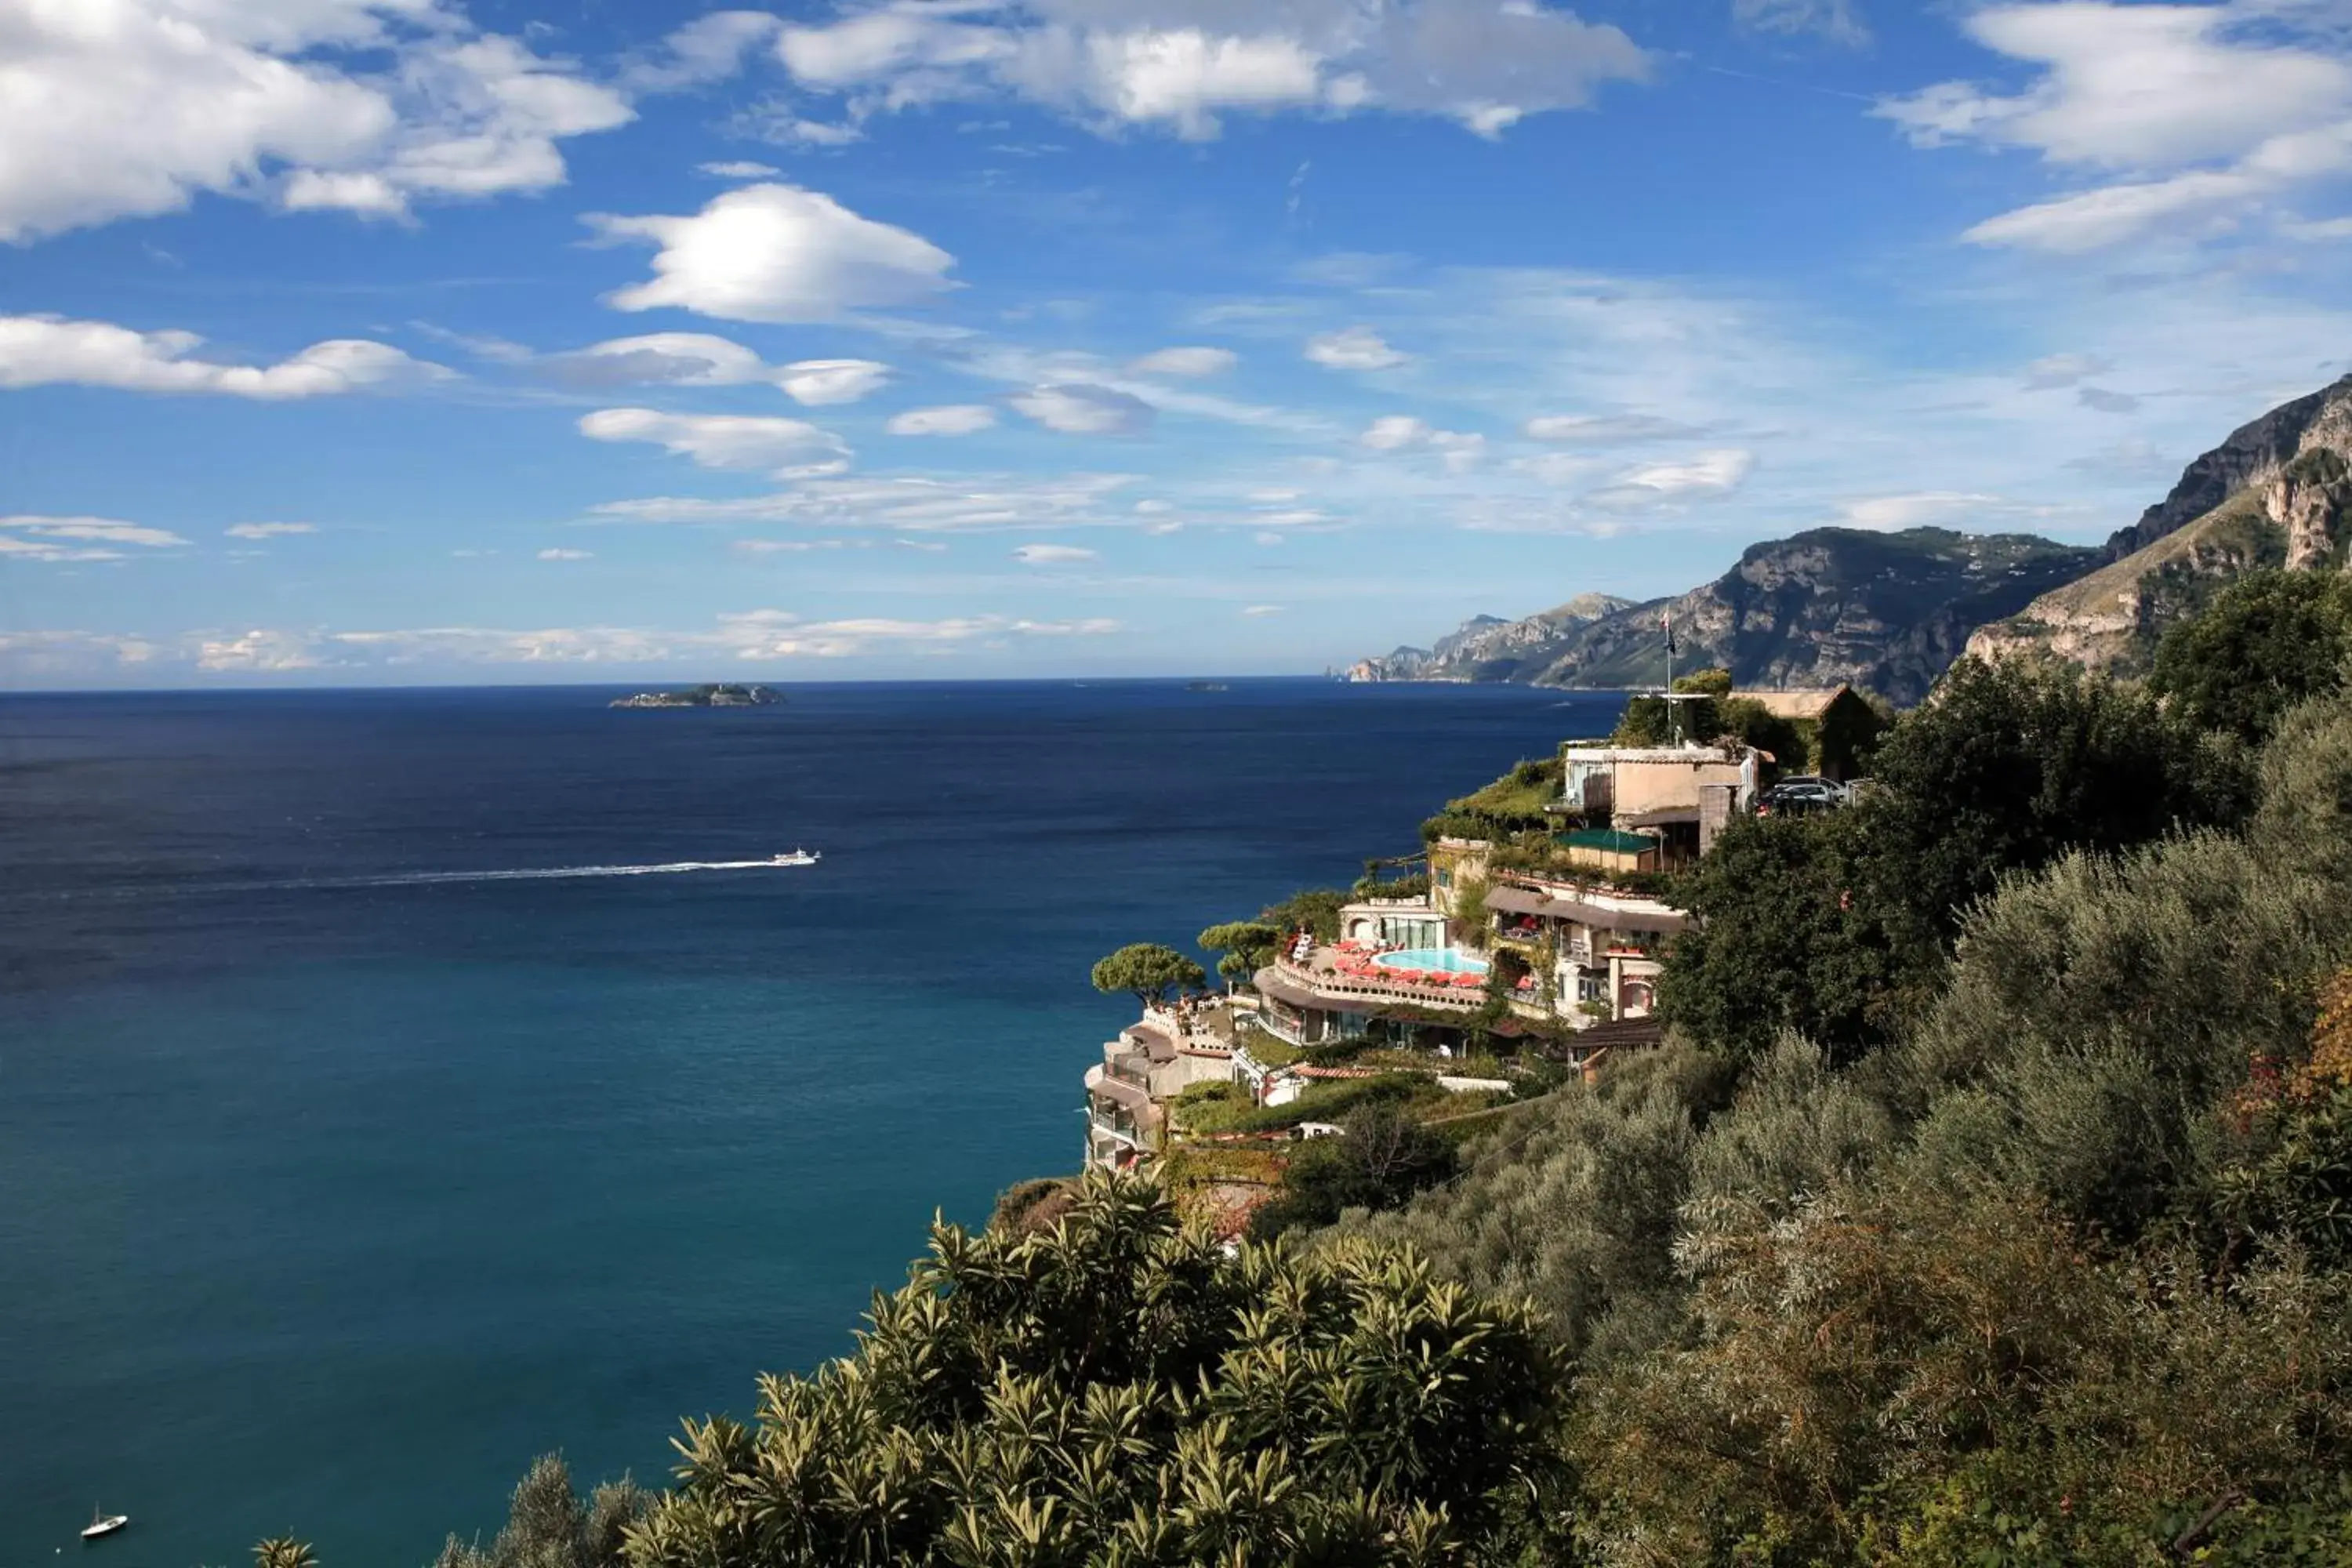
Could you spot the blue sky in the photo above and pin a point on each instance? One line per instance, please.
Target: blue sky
(412, 340)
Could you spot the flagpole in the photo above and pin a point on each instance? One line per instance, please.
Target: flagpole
(1673, 714)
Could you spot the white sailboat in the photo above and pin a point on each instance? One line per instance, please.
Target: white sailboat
(102, 1523)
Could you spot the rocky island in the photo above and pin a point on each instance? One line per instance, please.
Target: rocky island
(713, 696)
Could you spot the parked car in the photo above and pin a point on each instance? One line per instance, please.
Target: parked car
(1806, 792)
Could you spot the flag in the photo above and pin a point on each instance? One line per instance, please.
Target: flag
(1667, 621)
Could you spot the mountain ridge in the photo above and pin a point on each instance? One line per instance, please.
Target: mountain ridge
(1890, 611)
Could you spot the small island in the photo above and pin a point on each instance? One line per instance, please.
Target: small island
(712, 696)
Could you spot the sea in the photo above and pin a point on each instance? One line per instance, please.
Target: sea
(397, 1084)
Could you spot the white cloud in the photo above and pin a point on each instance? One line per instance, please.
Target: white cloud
(1393, 431)
(268, 530)
(2107, 400)
(789, 448)
(737, 169)
(1706, 476)
(33, 537)
(2054, 371)
(793, 546)
(1355, 348)
(905, 503)
(553, 553)
(947, 419)
(1081, 408)
(111, 109)
(1186, 361)
(1926, 508)
(661, 359)
(2208, 114)
(257, 651)
(1832, 19)
(1604, 430)
(778, 253)
(1153, 507)
(818, 382)
(1259, 610)
(36, 351)
(701, 359)
(1179, 64)
(709, 48)
(1053, 554)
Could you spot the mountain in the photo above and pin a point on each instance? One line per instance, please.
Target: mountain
(1887, 612)
(2275, 494)
(1489, 649)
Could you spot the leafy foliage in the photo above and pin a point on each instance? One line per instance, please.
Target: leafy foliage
(1381, 1157)
(2270, 640)
(1148, 971)
(1314, 909)
(1248, 946)
(549, 1525)
(1118, 1391)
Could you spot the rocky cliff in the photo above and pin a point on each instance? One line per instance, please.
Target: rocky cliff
(1490, 649)
(2276, 493)
(1887, 612)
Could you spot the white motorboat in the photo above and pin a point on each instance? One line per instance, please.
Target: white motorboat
(104, 1524)
(797, 858)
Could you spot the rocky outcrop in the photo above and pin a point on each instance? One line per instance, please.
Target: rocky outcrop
(2252, 455)
(2307, 500)
(2286, 507)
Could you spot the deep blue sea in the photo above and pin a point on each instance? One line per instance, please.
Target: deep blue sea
(333, 1188)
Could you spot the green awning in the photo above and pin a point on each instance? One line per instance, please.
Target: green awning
(1610, 840)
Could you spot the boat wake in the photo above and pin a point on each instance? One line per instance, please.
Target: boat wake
(561, 873)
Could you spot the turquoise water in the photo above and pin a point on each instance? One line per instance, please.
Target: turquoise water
(344, 1166)
(1444, 960)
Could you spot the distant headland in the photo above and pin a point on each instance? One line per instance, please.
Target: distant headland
(714, 696)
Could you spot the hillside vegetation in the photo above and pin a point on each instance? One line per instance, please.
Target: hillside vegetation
(1990, 1202)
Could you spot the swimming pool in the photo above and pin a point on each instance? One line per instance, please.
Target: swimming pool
(1443, 960)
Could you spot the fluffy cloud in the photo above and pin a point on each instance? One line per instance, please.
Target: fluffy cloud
(780, 254)
(709, 48)
(1081, 408)
(739, 169)
(947, 419)
(1186, 361)
(1178, 64)
(789, 448)
(268, 530)
(660, 359)
(1355, 348)
(30, 537)
(1259, 610)
(1053, 554)
(2207, 113)
(36, 351)
(1395, 432)
(1705, 476)
(555, 554)
(818, 382)
(122, 107)
(700, 359)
